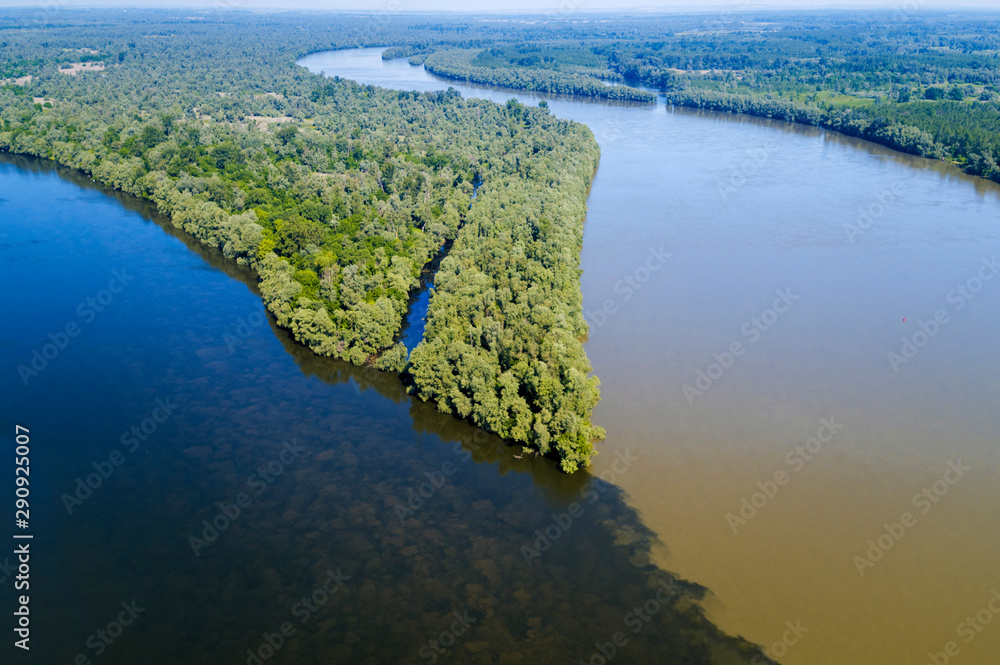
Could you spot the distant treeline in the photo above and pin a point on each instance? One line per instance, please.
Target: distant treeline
(458, 64)
(923, 83)
(898, 126)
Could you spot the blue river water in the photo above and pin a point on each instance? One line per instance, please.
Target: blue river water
(205, 490)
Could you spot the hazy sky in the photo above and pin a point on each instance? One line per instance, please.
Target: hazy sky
(549, 6)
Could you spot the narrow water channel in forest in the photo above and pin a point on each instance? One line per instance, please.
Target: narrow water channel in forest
(195, 464)
(795, 333)
(416, 318)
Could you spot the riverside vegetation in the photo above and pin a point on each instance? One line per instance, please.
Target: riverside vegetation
(337, 194)
(490, 67)
(919, 81)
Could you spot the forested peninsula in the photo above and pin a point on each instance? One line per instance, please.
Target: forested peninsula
(337, 195)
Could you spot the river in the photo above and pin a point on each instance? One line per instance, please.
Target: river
(809, 380)
(203, 490)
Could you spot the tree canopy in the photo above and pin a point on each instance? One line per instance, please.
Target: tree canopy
(338, 194)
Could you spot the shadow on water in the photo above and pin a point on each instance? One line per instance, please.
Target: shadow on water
(281, 467)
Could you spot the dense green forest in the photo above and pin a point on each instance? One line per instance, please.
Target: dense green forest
(529, 73)
(916, 80)
(337, 194)
(507, 307)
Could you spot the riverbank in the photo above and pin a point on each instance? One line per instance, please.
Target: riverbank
(339, 251)
(746, 207)
(855, 123)
(291, 466)
(456, 64)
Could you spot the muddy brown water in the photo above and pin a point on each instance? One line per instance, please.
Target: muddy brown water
(831, 471)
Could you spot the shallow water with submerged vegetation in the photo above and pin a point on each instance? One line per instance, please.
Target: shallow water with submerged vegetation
(310, 511)
(697, 223)
(283, 489)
